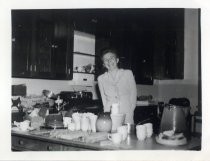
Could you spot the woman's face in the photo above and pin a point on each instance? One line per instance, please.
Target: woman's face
(110, 61)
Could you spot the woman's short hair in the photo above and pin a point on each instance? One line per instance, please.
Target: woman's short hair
(105, 51)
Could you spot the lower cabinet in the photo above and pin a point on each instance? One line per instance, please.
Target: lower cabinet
(30, 144)
(145, 114)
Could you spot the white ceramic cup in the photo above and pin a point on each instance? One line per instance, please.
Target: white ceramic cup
(76, 118)
(116, 138)
(71, 126)
(67, 121)
(115, 109)
(24, 125)
(93, 120)
(149, 129)
(84, 123)
(124, 131)
(141, 132)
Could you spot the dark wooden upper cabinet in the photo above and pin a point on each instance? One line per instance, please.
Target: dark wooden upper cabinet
(50, 45)
(169, 45)
(150, 42)
(142, 49)
(21, 44)
(43, 49)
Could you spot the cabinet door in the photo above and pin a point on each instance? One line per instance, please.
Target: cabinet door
(54, 47)
(169, 46)
(42, 56)
(142, 57)
(21, 44)
(62, 55)
(42, 44)
(169, 55)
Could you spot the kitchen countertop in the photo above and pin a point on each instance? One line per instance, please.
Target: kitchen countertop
(28, 141)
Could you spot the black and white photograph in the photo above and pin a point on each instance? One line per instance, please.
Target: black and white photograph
(107, 79)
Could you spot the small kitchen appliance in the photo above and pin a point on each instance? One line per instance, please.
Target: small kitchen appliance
(80, 101)
(174, 129)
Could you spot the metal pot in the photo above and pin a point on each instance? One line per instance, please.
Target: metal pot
(174, 118)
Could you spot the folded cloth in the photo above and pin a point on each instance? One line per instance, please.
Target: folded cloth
(111, 145)
(79, 135)
(142, 103)
(42, 112)
(37, 122)
(67, 134)
(96, 137)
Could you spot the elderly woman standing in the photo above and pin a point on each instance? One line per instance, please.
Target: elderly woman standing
(117, 86)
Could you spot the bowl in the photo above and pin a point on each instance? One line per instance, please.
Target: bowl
(117, 121)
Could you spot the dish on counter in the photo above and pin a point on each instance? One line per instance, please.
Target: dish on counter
(53, 126)
(80, 136)
(17, 129)
(171, 138)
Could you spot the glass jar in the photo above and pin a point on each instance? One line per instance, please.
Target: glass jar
(104, 122)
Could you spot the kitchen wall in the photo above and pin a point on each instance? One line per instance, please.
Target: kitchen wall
(161, 90)
(35, 86)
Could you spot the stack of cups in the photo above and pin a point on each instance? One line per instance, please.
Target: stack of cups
(141, 132)
(149, 129)
(144, 131)
(123, 130)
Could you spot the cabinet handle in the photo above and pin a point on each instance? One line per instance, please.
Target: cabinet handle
(30, 68)
(21, 142)
(49, 147)
(69, 71)
(35, 68)
(54, 46)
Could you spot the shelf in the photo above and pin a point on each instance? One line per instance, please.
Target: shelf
(79, 53)
(82, 72)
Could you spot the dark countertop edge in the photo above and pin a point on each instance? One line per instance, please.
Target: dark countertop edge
(76, 144)
(97, 147)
